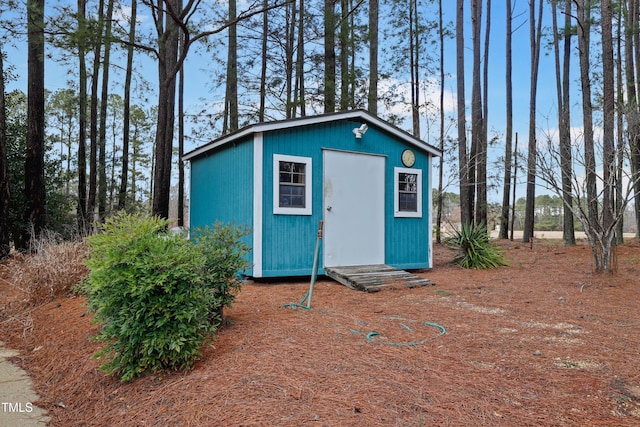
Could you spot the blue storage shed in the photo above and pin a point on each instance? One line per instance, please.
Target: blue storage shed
(367, 180)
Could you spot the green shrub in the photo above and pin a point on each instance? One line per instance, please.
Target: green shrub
(473, 249)
(152, 292)
(224, 253)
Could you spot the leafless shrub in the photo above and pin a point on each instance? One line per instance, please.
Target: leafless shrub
(51, 271)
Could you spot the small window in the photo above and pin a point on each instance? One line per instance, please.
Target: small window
(291, 185)
(408, 192)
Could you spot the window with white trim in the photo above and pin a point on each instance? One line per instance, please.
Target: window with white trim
(291, 185)
(407, 195)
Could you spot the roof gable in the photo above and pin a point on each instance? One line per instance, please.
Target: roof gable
(309, 120)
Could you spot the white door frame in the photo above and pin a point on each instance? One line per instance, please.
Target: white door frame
(354, 208)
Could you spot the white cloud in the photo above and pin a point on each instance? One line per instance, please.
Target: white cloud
(402, 90)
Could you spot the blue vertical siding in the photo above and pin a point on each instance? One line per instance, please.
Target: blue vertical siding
(407, 241)
(288, 241)
(222, 188)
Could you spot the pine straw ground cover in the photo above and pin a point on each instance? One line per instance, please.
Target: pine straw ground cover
(541, 342)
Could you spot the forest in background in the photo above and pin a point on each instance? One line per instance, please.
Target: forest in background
(113, 139)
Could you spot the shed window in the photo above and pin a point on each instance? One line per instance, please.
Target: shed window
(408, 192)
(292, 185)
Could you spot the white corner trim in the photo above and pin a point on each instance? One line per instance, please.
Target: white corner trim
(258, 191)
(430, 209)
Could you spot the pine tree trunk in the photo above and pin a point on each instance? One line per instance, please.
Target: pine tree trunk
(608, 110)
(466, 208)
(5, 247)
(126, 116)
(168, 48)
(289, 44)
(181, 147)
(300, 92)
(352, 56)
(562, 90)
(619, 204)
(134, 162)
(329, 57)
(515, 181)
(440, 201)
(263, 65)
(584, 19)
(506, 187)
(372, 97)
(482, 203)
(535, 34)
(565, 145)
(83, 225)
(104, 97)
(231, 99)
(632, 67)
(344, 55)
(35, 195)
(476, 112)
(93, 124)
(414, 67)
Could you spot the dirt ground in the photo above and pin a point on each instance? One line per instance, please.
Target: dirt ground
(543, 342)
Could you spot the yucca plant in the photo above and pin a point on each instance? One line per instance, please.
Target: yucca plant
(474, 249)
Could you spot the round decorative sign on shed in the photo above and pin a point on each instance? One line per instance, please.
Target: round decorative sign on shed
(408, 158)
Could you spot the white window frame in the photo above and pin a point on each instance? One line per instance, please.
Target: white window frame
(277, 158)
(396, 193)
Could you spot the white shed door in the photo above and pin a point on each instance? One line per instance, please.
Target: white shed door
(353, 209)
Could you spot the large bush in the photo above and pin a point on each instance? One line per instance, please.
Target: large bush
(154, 292)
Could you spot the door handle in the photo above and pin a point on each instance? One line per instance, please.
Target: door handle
(328, 208)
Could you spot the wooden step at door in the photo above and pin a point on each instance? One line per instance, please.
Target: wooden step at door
(372, 278)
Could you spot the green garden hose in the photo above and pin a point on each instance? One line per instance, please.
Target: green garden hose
(371, 335)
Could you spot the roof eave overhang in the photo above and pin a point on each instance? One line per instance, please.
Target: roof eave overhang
(305, 121)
